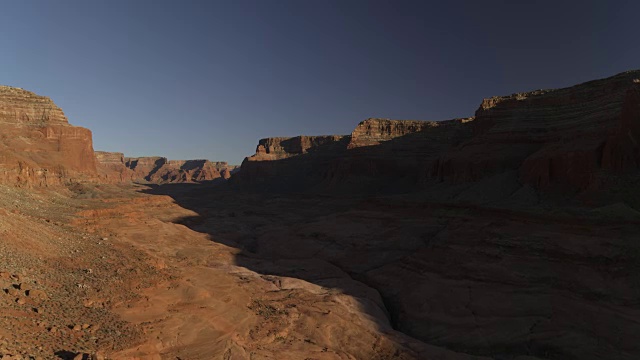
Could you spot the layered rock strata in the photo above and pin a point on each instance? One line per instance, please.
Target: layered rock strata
(144, 167)
(374, 131)
(284, 147)
(291, 163)
(564, 137)
(38, 146)
(378, 153)
(156, 169)
(112, 168)
(573, 139)
(516, 239)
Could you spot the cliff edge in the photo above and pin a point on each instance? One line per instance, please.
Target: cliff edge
(38, 146)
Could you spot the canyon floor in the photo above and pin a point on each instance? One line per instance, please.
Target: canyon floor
(185, 271)
(112, 272)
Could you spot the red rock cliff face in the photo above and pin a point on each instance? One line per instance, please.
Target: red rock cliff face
(38, 147)
(389, 155)
(376, 154)
(187, 171)
(374, 131)
(283, 159)
(570, 138)
(144, 167)
(285, 147)
(115, 167)
(564, 137)
(111, 167)
(620, 153)
(105, 157)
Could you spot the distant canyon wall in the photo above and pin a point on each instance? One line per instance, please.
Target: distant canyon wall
(374, 131)
(115, 167)
(574, 139)
(38, 147)
(283, 147)
(571, 137)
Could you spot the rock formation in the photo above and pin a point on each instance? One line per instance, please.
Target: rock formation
(282, 147)
(111, 167)
(286, 160)
(516, 235)
(144, 167)
(375, 131)
(572, 139)
(563, 137)
(116, 167)
(376, 155)
(38, 145)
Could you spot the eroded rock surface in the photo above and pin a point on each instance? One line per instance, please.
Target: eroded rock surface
(515, 236)
(38, 145)
(112, 168)
(510, 235)
(115, 166)
(380, 155)
(563, 137)
(374, 131)
(566, 140)
(281, 147)
(479, 281)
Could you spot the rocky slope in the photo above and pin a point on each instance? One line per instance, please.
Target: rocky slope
(38, 146)
(116, 275)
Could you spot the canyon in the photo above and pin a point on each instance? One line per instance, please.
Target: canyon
(507, 235)
(114, 166)
(580, 140)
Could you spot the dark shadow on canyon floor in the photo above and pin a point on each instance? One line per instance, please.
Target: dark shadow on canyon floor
(485, 268)
(485, 282)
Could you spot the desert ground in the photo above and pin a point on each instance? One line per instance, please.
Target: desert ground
(509, 235)
(110, 271)
(191, 271)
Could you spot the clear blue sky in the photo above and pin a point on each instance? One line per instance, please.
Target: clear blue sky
(207, 79)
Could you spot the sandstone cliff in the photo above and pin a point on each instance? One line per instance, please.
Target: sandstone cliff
(144, 167)
(116, 167)
(282, 147)
(112, 168)
(375, 131)
(476, 262)
(284, 162)
(565, 137)
(516, 238)
(38, 145)
(567, 140)
(379, 155)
